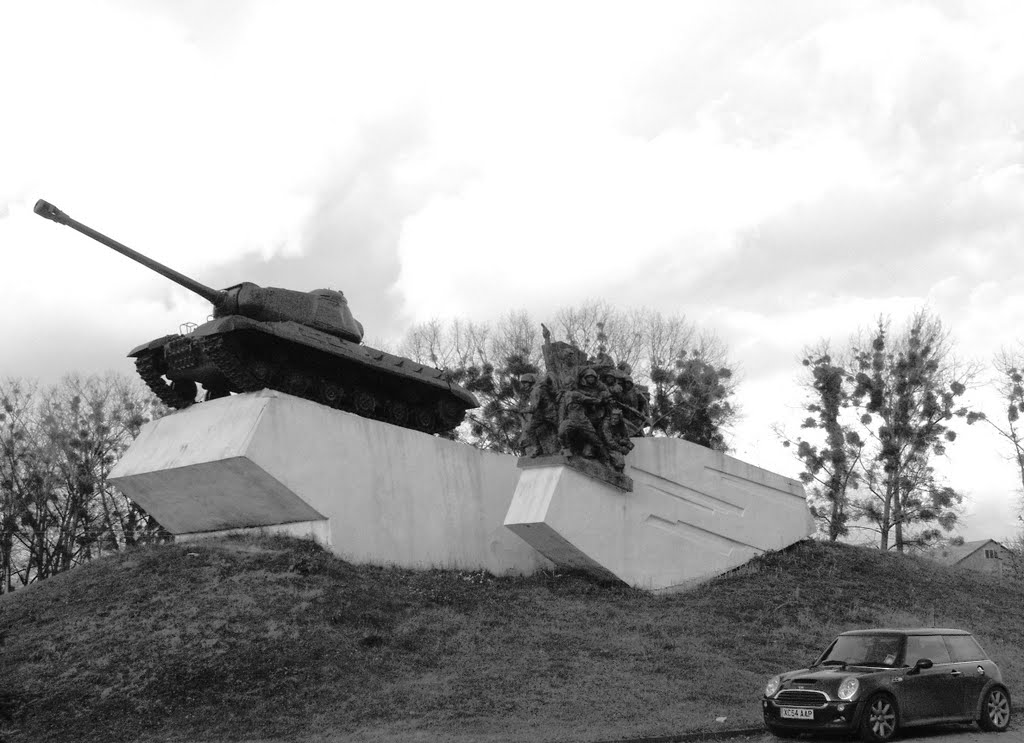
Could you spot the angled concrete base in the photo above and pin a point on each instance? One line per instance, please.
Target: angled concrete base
(694, 514)
(375, 492)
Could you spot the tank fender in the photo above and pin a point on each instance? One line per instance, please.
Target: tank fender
(152, 345)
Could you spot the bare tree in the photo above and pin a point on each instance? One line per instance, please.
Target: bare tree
(517, 333)
(1015, 547)
(1009, 382)
(58, 448)
(446, 346)
(26, 476)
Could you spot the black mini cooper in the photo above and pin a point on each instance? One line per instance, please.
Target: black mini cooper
(877, 681)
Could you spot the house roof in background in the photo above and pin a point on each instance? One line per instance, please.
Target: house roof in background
(952, 554)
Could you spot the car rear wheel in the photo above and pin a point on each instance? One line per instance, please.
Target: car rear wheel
(995, 710)
(880, 719)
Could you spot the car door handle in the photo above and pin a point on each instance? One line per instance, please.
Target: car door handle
(955, 672)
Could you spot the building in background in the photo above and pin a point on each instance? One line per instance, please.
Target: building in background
(983, 555)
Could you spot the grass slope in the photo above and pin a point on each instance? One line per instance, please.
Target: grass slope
(274, 639)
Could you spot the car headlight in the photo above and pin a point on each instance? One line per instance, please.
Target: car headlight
(772, 686)
(848, 688)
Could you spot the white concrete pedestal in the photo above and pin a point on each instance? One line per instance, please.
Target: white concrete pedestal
(376, 493)
(694, 513)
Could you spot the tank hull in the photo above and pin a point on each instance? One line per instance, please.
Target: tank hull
(238, 354)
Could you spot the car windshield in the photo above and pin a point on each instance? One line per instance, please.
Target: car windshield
(863, 650)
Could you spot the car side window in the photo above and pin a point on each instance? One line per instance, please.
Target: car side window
(926, 646)
(964, 648)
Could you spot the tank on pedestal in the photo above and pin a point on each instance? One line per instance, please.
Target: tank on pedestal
(306, 344)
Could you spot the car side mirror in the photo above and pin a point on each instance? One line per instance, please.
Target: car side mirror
(923, 664)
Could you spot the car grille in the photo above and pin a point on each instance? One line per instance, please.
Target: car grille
(801, 698)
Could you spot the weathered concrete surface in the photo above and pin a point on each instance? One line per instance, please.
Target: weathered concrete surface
(381, 494)
(192, 470)
(388, 494)
(694, 514)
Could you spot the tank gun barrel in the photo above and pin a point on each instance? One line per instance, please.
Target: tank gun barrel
(49, 211)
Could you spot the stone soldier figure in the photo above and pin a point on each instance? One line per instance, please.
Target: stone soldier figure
(525, 385)
(540, 419)
(580, 408)
(616, 437)
(644, 393)
(612, 379)
(590, 383)
(634, 406)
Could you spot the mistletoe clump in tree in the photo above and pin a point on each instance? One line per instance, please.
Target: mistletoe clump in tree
(496, 425)
(831, 467)
(1009, 383)
(881, 411)
(57, 447)
(691, 400)
(908, 389)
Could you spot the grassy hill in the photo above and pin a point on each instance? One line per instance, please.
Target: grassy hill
(276, 640)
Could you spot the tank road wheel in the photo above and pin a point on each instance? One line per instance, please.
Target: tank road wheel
(995, 710)
(451, 414)
(185, 391)
(424, 420)
(296, 383)
(261, 372)
(331, 393)
(364, 403)
(398, 413)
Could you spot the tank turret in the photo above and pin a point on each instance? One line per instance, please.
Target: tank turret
(304, 343)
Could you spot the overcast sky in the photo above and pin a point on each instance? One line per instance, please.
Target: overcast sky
(778, 172)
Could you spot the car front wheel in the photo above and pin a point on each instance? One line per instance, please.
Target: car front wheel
(995, 710)
(880, 719)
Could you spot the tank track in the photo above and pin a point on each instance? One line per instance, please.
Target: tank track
(228, 364)
(177, 394)
(246, 371)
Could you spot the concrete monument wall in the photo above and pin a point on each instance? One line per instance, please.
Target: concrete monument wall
(377, 493)
(694, 513)
(387, 495)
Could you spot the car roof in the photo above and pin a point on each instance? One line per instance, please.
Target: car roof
(908, 631)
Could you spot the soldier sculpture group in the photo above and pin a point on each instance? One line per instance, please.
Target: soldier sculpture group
(582, 407)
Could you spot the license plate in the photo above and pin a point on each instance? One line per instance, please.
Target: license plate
(796, 714)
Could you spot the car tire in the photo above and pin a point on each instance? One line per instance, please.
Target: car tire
(880, 719)
(995, 710)
(783, 732)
